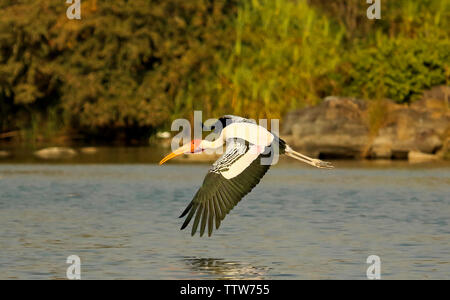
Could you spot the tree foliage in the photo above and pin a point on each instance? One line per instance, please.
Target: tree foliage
(128, 68)
(125, 65)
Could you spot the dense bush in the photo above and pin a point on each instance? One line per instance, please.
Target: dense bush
(399, 69)
(407, 53)
(130, 67)
(125, 66)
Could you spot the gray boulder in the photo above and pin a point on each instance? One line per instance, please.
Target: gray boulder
(340, 127)
(334, 128)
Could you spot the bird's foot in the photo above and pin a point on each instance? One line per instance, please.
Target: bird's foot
(322, 164)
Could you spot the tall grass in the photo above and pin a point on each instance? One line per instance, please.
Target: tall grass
(290, 54)
(281, 52)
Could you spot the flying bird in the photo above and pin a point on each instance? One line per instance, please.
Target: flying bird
(250, 150)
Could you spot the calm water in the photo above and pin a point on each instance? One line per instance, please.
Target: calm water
(299, 223)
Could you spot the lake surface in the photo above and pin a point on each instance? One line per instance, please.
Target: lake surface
(298, 223)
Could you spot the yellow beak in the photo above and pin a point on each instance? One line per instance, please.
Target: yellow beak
(183, 149)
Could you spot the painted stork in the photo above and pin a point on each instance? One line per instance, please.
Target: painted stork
(236, 172)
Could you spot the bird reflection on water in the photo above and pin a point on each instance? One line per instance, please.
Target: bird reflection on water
(222, 269)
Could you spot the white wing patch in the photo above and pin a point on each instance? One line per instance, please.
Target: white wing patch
(243, 162)
(252, 133)
(235, 149)
(236, 159)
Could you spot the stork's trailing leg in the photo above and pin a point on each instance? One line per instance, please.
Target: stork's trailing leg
(311, 161)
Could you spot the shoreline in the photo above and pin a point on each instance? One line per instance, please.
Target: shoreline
(153, 154)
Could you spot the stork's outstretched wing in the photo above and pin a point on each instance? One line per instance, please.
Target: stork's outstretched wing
(231, 177)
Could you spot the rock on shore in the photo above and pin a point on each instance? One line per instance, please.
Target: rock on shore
(55, 153)
(4, 154)
(344, 128)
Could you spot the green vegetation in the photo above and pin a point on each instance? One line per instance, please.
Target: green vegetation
(128, 68)
(397, 69)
